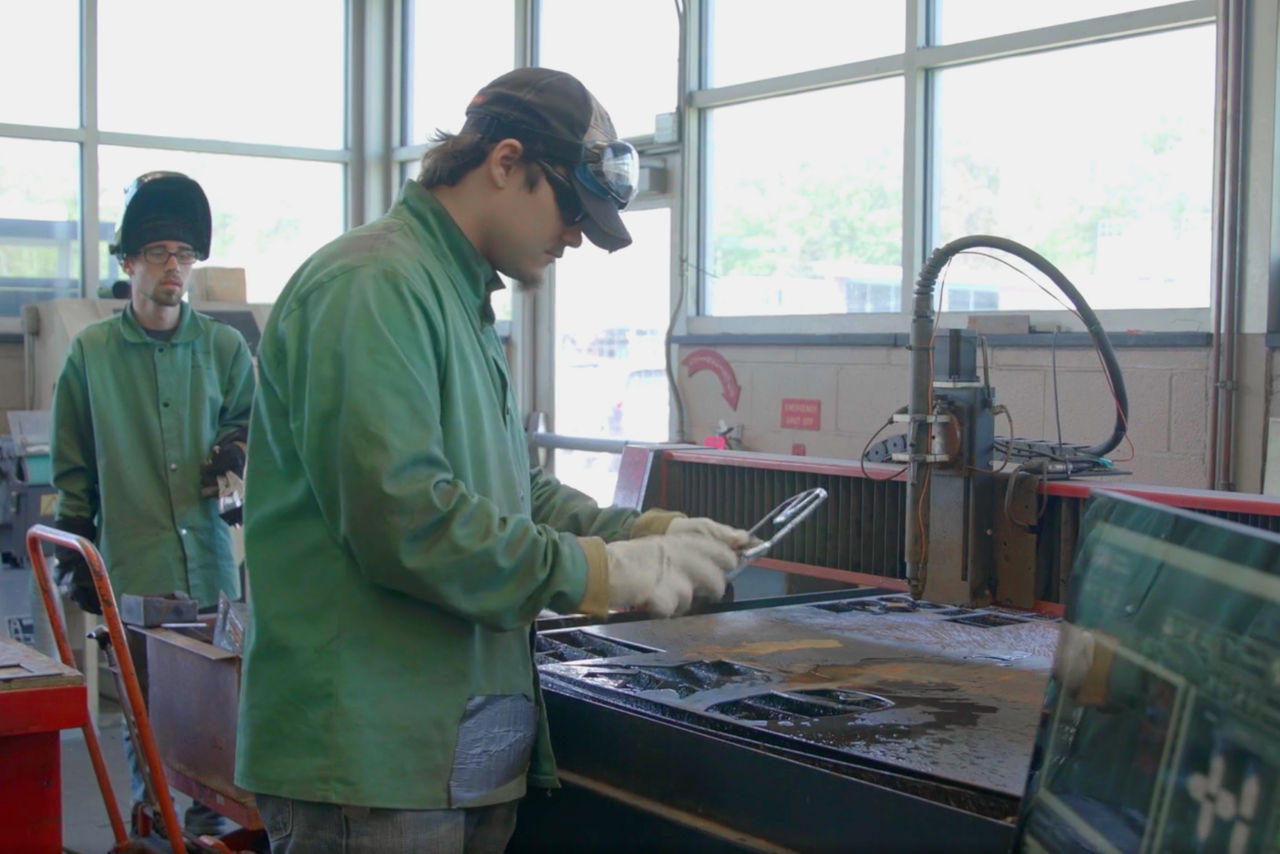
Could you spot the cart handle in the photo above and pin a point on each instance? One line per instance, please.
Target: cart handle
(128, 676)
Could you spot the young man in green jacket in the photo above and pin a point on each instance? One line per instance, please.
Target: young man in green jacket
(151, 406)
(398, 545)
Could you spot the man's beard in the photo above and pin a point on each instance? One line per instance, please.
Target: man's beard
(530, 284)
(164, 296)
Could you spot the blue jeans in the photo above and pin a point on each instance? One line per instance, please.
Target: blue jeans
(198, 818)
(308, 827)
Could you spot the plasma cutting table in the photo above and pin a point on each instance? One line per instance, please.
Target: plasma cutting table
(846, 720)
(906, 725)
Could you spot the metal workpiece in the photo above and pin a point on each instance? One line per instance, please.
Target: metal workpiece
(863, 708)
(152, 611)
(903, 685)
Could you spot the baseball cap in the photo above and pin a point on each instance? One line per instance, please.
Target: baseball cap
(554, 116)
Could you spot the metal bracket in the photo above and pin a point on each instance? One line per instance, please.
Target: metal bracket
(927, 419)
(921, 458)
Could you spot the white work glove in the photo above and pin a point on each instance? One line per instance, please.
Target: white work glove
(663, 573)
(735, 538)
(1074, 658)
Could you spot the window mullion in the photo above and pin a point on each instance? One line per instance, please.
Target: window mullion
(89, 216)
(915, 196)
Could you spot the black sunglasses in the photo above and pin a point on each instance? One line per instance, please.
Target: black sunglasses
(566, 197)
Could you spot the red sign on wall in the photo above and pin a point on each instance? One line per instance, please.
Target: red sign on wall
(801, 414)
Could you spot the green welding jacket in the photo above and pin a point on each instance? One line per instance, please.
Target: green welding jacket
(398, 545)
(133, 421)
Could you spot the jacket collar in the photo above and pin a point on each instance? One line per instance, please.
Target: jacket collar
(476, 278)
(188, 327)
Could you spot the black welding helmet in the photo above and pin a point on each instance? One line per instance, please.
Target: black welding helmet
(163, 206)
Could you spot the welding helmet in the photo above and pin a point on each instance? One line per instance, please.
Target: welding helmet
(560, 122)
(163, 206)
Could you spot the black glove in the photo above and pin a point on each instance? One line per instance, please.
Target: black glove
(233, 516)
(73, 576)
(225, 458)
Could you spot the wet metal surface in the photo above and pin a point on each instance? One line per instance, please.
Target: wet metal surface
(946, 693)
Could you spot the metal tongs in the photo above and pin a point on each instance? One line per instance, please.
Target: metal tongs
(784, 517)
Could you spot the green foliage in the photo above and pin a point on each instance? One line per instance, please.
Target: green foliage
(39, 262)
(798, 220)
(19, 196)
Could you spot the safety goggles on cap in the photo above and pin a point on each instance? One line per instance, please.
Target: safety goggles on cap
(611, 170)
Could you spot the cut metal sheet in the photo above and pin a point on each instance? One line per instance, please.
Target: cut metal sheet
(952, 694)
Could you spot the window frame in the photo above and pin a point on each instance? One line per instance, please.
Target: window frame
(374, 159)
(916, 64)
(362, 18)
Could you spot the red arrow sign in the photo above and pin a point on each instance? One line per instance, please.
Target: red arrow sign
(710, 360)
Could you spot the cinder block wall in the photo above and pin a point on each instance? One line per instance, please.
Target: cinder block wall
(859, 387)
(1271, 428)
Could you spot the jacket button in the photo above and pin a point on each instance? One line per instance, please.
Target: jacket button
(173, 466)
(182, 531)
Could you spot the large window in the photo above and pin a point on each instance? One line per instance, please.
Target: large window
(1098, 157)
(39, 64)
(634, 79)
(962, 20)
(754, 39)
(1083, 130)
(451, 50)
(39, 222)
(256, 116)
(611, 316)
(237, 70)
(804, 203)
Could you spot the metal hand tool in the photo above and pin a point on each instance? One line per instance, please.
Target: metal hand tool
(783, 518)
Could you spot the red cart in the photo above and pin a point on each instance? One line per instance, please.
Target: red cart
(111, 638)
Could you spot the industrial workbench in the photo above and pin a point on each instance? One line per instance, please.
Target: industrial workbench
(38, 697)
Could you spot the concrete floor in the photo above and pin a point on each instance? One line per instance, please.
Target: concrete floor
(85, 827)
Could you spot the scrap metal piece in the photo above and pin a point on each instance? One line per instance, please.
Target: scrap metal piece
(153, 611)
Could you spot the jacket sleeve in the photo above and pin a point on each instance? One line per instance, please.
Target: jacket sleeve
(365, 410)
(566, 509)
(71, 444)
(237, 393)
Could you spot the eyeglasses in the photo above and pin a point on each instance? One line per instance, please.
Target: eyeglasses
(159, 255)
(566, 197)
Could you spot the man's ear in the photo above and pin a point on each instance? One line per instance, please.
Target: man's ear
(127, 266)
(502, 161)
